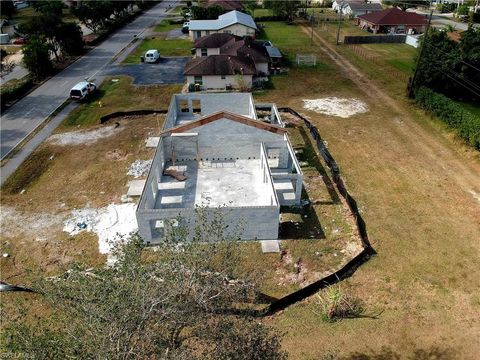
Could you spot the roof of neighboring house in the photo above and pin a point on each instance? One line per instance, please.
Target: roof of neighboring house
(226, 4)
(228, 19)
(273, 52)
(224, 115)
(215, 40)
(246, 48)
(358, 6)
(394, 16)
(220, 65)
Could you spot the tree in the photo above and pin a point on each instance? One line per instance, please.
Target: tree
(450, 67)
(284, 8)
(404, 5)
(175, 305)
(36, 57)
(206, 13)
(93, 14)
(54, 7)
(70, 38)
(8, 8)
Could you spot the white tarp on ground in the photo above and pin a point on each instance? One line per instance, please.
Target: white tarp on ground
(109, 223)
(334, 106)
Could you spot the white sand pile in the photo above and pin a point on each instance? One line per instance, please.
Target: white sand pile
(139, 168)
(109, 223)
(334, 106)
(83, 137)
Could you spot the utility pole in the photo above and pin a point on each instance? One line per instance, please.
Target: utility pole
(340, 9)
(312, 19)
(411, 83)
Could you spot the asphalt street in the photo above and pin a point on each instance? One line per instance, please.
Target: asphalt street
(27, 114)
(165, 71)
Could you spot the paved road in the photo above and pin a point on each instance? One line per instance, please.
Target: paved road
(443, 21)
(22, 118)
(166, 71)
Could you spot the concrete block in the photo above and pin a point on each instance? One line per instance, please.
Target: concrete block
(135, 187)
(270, 246)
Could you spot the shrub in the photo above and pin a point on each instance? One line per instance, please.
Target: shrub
(334, 304)
(15, 89)
(465, 123)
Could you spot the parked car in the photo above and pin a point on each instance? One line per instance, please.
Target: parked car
(82, 90)
(19, 41)
(152, 56)
(185, 27)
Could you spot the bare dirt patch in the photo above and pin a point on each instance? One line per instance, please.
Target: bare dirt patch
(335, 106)
(83, 136)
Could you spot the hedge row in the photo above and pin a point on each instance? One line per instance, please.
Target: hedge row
(464, 122)
(14, 91)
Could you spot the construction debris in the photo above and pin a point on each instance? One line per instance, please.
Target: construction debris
(139, 168)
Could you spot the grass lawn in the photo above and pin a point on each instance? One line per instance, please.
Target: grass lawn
(119, 96)
(474, 108)
(417, 187)
(165, 26)
(172, 47)
(262, 12)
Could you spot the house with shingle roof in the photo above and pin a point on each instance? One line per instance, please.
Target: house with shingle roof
(233, 22)
(393, 21)
(354, 9)
(227, 44)
(220, 72)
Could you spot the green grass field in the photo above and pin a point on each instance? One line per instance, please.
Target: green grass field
(172, 47)
(119, 95)
(165, 26)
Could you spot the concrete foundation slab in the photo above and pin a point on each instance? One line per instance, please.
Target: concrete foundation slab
(152, 142)
(270, 246)
(135, 187)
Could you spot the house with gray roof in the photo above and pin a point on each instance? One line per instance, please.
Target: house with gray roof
(220, 72)
(354, 8)
(233, 22)
(229, 157)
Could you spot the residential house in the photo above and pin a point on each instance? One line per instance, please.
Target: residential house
(220, 72)
(217, 155)
(211, 44)
(337, 4)
(233, 22)
(227, 5)
(354, 9)
(393, 21)
(227, 44)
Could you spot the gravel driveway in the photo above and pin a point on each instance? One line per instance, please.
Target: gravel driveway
(165, 71)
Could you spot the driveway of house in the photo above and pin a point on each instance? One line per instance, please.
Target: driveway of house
(168, 70)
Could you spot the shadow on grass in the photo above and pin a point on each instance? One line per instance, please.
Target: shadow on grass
(301, 230)
(309, 155)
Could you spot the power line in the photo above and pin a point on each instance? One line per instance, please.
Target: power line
(460, 83)
(446, 53)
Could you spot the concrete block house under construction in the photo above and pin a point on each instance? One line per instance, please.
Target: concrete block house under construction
(224, 153)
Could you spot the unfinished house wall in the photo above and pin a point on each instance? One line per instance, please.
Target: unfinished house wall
(224, 139)
(242, 104)
(253, 223)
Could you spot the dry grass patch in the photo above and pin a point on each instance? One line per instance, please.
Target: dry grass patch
(414, 187)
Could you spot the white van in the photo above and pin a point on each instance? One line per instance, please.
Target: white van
(152, 56)
(82, 89)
